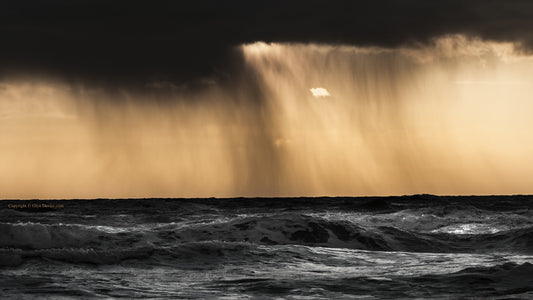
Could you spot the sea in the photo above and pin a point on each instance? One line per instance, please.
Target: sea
(406, 247)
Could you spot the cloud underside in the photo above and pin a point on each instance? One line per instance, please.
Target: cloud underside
(132, 42)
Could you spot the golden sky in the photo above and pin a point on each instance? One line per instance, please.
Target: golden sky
(451, 117)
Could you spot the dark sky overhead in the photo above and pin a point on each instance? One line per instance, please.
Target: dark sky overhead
(141, 41)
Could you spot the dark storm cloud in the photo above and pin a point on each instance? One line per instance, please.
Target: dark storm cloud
(172, 41)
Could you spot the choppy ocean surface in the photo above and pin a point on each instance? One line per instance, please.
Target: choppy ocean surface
(411, 247)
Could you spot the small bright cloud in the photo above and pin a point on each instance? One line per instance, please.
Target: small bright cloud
(319, 92)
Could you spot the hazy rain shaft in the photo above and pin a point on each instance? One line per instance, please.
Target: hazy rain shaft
(447, 118)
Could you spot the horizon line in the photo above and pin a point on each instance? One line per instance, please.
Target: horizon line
(267, 197)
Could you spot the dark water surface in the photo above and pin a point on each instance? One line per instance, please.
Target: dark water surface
(411, 247)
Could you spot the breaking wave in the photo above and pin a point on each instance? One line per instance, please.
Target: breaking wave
(406, 230)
